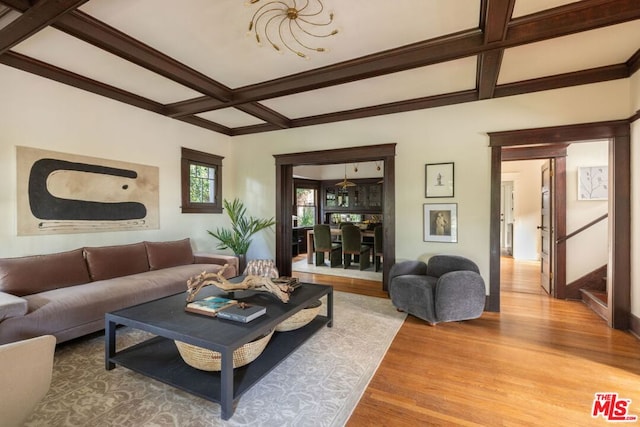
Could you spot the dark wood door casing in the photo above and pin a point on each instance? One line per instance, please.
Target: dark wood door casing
(284, 196)
(618, 133)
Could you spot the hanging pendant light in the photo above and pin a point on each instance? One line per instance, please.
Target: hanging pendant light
(344, 184)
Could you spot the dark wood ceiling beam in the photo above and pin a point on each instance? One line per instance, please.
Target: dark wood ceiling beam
(488, 70)
(25, 63)
(48, 71)
(634, 62)
(451, 47)
(594, 75)
(34, 19)
(564, 20)
(105, 37)
(206, 124)
(266, 114)
(19, 5)
(572, 18)
(497, 16)
(90, 30)
(378, 110)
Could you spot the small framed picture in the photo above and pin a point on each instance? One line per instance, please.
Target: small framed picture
(441, 222)
(593, 183)
(439, 180)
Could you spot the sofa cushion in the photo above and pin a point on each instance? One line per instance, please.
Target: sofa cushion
(107, 262)
(71, 312)
(32, 274)
(169, 254)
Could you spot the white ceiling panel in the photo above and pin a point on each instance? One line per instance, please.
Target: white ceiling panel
(57, 48)
(527, 7)
(426, 81)
(231, 117)
(596, 48)
(214, 40)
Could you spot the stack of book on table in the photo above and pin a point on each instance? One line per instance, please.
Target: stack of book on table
(242, 312)
(226, 308)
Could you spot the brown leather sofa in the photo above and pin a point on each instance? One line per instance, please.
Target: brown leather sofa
(67, 294)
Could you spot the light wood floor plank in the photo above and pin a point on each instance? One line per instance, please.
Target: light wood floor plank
(538, 362)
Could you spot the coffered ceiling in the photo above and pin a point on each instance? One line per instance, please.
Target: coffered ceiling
(193, 61)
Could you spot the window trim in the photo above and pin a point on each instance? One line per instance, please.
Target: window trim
(190, 157)
(307, 184)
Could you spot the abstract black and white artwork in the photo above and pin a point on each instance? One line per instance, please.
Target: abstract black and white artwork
(66, 193)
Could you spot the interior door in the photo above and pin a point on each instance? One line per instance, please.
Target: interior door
(546, 227)
(506, 218)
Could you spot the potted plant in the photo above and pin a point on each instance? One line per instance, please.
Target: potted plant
(238, 238)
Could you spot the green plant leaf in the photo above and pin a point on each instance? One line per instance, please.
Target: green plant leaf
(238, 238)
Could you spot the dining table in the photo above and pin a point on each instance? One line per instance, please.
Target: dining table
(334, 232)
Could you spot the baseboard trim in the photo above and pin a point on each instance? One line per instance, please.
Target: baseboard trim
(634, 325)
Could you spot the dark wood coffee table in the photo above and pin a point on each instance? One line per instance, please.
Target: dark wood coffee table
(166, 318)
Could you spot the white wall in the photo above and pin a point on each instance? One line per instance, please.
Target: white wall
(590, 249)
(635, 198)
(36, 112)
(39, 113)
(454, 133)
(526, 206)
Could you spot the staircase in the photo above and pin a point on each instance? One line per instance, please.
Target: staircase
(591, 289)
(596, 300)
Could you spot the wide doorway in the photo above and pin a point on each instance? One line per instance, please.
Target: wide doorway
(285, 164)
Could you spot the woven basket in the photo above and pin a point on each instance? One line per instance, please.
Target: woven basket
(301, 318)
(208, 360)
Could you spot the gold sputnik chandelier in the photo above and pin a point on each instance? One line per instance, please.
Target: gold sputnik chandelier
(284, 24)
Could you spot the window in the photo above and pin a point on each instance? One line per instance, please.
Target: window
(306, 206)
(201, 176)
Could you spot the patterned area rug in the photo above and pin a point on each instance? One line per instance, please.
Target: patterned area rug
(318, 385)
(352, 271)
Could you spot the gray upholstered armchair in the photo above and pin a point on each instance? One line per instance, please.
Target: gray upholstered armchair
(448, 288)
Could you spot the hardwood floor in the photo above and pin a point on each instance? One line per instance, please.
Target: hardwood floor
(539, 361)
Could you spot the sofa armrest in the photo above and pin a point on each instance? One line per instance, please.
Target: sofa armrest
(208, 258)
(12, 306)
(460, 295)
(407, 267)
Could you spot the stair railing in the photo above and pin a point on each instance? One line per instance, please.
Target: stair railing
(581, 229)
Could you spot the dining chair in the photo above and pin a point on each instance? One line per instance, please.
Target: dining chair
(322, 243)
(352, 245)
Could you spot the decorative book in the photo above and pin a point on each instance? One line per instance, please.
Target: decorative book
(210, 306)
(242, 312)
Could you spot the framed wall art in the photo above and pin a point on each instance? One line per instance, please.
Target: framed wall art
(441, 222)
(439, 180)
(60, 193)
(593, 183)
